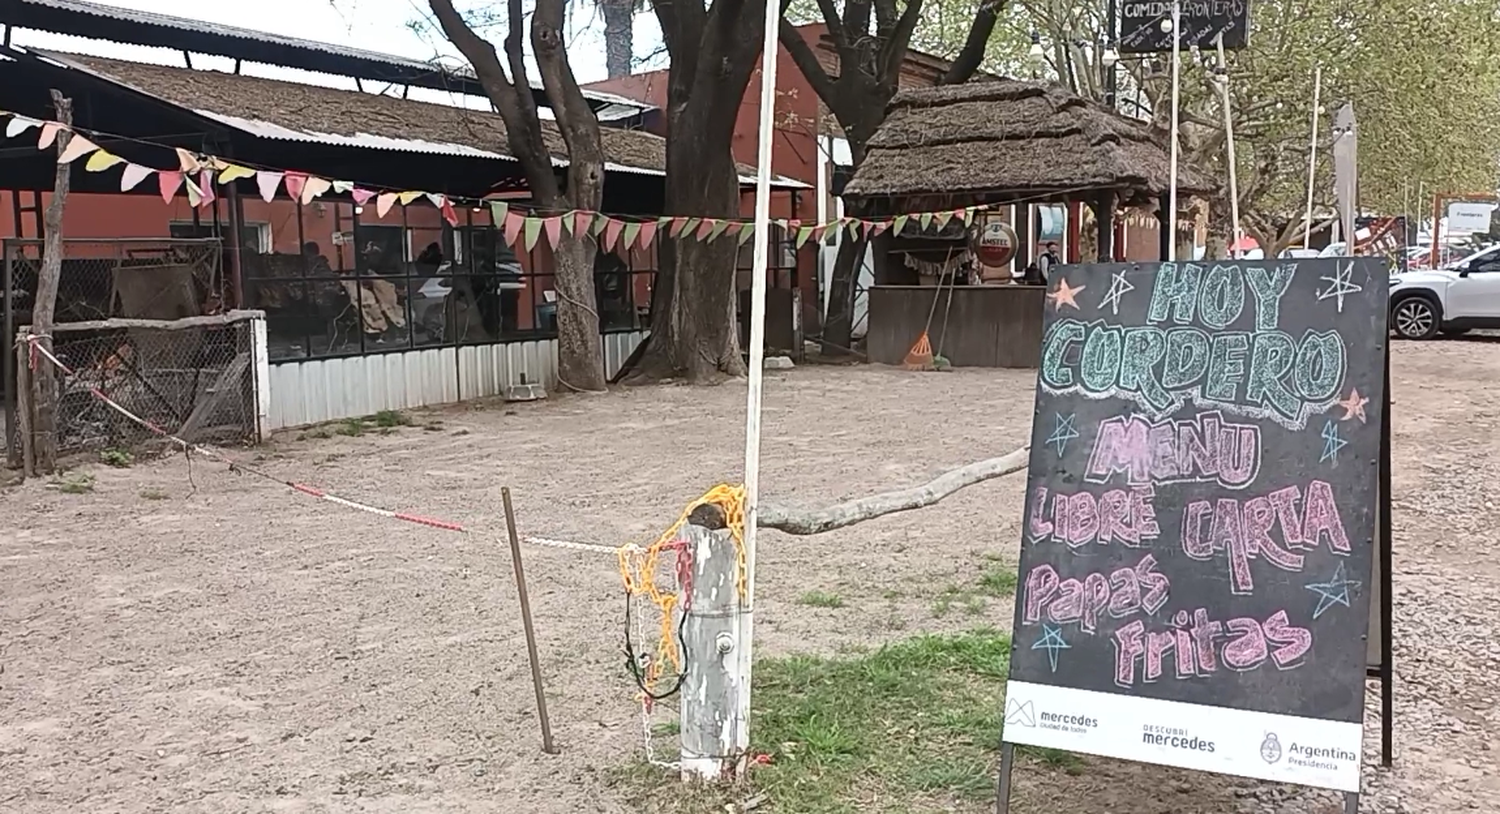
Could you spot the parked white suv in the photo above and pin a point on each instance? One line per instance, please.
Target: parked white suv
(1451, 300)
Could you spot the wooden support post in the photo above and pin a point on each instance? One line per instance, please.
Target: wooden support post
(45, 397)
(714, 730)
(24, 413)
(1104, 219)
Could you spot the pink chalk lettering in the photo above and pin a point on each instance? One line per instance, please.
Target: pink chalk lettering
(1069, 604)
(1259, 518)
(1194, 544)
(1285, 501)
(1129, 646)
(1226, 534)
(1205, 639)
(1125, 593)
(1126, 515)
(1199, 449)
(1114, 518)
(1143, 511)
(1248, 650)
(1040, 529)
(1095, 600)
(1157, 586)
(1321, 516)
(1041, 585)
(1158, 644)
(1083, 520)
(1294, 641)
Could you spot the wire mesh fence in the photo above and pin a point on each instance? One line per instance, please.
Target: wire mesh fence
(193, 378)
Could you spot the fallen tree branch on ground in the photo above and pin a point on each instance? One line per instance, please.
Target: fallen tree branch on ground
(817, 521)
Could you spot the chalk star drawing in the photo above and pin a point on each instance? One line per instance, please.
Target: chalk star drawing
(1065, 295)
(1332, 443)
(1339, 285)
(1333, 592)
(1063, 432)
(1118, 287)
(1052, 642)
(1354, 406)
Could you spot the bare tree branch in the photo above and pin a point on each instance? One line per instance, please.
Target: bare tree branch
(971, 56)
(893, 49)
(807, 62)
(803, 522)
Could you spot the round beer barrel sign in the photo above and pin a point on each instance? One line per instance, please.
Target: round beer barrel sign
(994, 242)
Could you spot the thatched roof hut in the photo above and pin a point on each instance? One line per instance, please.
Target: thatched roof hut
(990, 142)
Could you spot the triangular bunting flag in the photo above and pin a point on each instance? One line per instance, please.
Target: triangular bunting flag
(449, 213)
(612, 231)
(268, 182)
(803, 234)
(209, 162)
(648, 233)
(294, 182)
(195, 195)
(343, 186)
(361, 196)
(206, 186)
(383, 203)
(77, 148)
(513, 224)
(688, 225)
(186, 161)
(899, 224)
(234, 172)
(498, 211)
(627, 240)
(407, 197)
(436, 199)
(704, 228)
(966, 214)
(168, 183)
(855, 226)
(102, 160)
(878, 228)
(819, 231)
(719, 227)
(18, 125)
(313, 187)
(942, 219)
(533, 229)
(48, 135)
(552, 227)
(581, 222)
(133, 175)
(597, 224)
(746, 230)
(925, 219)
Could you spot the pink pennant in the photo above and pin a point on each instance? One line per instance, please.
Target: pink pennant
(361, 196)
(268, 182)
(77, 148)
(169, 182)
(48, 135)
(513, 224)
(705, 227)
(648, 234)
(295, 181)
(612, 230)
(206, 186)
(553, 228)
(581, 222)
(133, 175)
(878, 228)
(384, 202)
(448, 213)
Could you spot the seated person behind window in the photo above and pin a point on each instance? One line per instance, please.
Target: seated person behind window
(379, 306)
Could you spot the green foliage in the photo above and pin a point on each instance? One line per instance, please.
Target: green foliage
(73, 483)
(821, 599)
(118, 458)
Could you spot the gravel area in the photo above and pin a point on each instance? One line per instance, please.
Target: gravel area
(182, 638)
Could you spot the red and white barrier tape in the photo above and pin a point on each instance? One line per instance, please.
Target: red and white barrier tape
(38, 350)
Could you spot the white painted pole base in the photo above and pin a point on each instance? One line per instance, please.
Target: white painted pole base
(714, 735)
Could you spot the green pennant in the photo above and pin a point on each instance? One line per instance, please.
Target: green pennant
(802, 235)
(632, 231)
(498, 211)
(690, 225)
(597, 224)
(900, 224)
(719, 228)
(531, 229)
(967, 214)
(567, 222)
(942, 219)
(925, 219)
(746, 231)
(854, 228)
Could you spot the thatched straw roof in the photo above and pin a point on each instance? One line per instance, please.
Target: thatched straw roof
(1016, 139)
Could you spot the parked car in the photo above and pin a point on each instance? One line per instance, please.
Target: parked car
(1449, 300)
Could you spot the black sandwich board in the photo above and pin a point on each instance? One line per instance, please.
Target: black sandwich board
(1207, 520)
(1202, 23)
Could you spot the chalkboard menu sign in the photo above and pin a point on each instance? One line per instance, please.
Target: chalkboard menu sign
(1202, 22)
(1201, 503)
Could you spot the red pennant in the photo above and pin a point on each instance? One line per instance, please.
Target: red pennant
(648, 234)
(513, 224)
(678, 224)
(878, 228)
(448, 213)
(169, 183)
(553, 227)
(294, 182)
(705, 227)
(612, 230)
(581, 222)
(361, 196)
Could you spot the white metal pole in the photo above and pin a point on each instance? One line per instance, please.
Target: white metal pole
(1234, 169)
(1176, 124)
(1312, 156)
(759, 266)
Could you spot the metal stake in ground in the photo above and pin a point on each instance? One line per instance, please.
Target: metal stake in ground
(536, 667)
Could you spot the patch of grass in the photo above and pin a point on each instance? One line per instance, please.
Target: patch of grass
(918, 720)
(155, 493)
(1054, 758)
(821, 599)
(390, 419)
(350, 427)
(666, 729)
(74, 483)
(118, 458)
(998, 579)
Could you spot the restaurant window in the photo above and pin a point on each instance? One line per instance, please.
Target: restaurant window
(253, 236)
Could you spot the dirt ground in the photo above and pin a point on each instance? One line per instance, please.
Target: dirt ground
(182, 638)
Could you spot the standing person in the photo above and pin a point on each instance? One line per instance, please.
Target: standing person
(1047, 261)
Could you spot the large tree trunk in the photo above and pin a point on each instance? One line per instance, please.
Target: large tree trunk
(619, 36)
(580, 354)
(843, 285)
